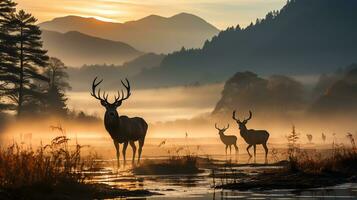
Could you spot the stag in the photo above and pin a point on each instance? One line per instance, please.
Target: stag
(228, 140)
(252, 137)
(122, 129)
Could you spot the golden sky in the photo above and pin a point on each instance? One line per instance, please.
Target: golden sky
(221, 13)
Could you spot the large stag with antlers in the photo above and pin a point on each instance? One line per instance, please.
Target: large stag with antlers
(122, 129)
(252, 137)
(228, 140)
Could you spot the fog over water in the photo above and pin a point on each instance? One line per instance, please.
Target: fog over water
(165, 104)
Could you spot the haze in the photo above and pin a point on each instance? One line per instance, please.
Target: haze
(221, 14)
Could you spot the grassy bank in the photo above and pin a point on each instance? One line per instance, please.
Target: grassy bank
(53, 171)
(303, 169)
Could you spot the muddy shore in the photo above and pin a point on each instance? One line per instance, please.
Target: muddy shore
(284, 179)
(72, 191)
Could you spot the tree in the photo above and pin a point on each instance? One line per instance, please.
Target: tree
(7, 50)
(25, 86)
(293, 138)
(56, 72)
(56, 99)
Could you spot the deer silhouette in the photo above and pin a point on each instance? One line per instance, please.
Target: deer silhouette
(252, 137)
(323, 137)
(228, 140)
(309, 137)
(122, 129)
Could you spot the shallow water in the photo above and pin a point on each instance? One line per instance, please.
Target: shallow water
(200, 186)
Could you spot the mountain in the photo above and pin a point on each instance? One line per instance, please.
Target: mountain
(304, 38)
(75, 49)
(80, 77)
(150, 34)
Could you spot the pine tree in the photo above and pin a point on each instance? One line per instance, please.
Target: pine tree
(56, 99)
(7, 51)
(31, 62)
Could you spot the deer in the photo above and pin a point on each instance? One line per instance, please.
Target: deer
(122, 129)
(228, 140)
(252, 137)
(323, 137)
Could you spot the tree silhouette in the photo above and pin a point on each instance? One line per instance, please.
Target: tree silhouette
(7, 50)
(293, 138)
(25, 89)
(56, 99)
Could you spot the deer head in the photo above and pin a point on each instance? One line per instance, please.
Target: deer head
(242, 124)
(111, 108)
(221, 131)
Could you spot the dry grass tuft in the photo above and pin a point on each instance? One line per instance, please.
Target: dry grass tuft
(47, 166)
(340, 160)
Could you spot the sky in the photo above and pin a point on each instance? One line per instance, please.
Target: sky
(220, 13)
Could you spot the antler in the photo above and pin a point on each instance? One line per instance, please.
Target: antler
(98, 96)
(250, 116)
(215, 125)
(121, 96)
(234, 116)
(227, 127)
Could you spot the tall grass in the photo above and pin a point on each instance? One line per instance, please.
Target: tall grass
(340, 159)
(48, 165)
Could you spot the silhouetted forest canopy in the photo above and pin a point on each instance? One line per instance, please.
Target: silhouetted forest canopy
(80, 77)
(304, 37)
(31, 83)
(280, 95)
(275, 95)
(340, 93)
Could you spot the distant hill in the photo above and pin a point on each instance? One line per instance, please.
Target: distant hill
(150, 34)
(80, 77)
(77, 49)
(340, 95)
(247, 91)
(304, 37)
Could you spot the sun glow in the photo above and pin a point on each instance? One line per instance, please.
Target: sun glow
(100, 18)
(100, 12)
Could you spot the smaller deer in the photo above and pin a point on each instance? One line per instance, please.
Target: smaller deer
(309, 137)
(228, 140)
(323, 137)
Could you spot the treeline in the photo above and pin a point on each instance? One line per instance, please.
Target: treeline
(31, 83)
(80, 77)
(334, 95)
(304, 37)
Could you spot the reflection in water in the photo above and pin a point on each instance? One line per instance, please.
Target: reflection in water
(200, 186)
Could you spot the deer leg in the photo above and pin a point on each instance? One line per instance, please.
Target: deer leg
(255, 150)
(226, 149)
(132, 144)
(230, 149)
(116, 144)
(236, 147)
(250, 155)
(141, 144)
(124, 151)
(266, 150)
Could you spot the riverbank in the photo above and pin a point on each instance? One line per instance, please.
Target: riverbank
(71, 191)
